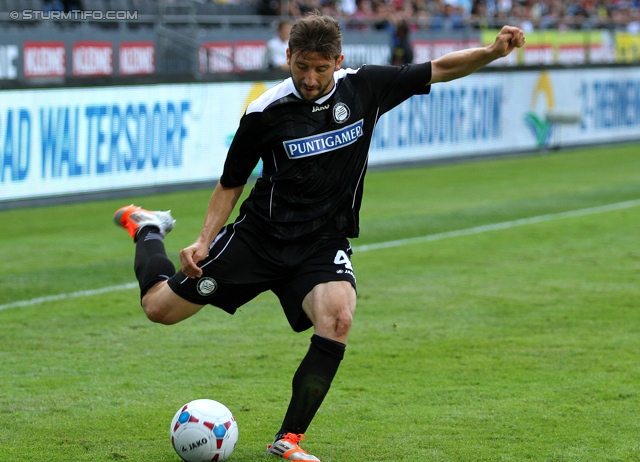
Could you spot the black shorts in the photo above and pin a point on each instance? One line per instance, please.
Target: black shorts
(242, 263)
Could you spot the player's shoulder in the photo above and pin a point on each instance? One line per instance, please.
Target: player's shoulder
(343, 73)
(360, 78)
(270, 96)
(368, 72)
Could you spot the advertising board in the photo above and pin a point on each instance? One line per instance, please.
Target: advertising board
(56, 142)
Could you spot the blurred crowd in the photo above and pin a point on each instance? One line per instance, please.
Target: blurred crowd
(622, 15)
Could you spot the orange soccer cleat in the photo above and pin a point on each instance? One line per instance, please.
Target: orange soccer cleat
(288, 449)
(134, 218)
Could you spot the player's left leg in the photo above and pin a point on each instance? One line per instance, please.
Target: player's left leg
(321, 294)
(330, 307)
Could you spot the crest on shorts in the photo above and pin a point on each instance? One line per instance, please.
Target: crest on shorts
(206, 286)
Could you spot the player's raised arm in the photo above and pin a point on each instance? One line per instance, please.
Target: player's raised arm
(464, 62)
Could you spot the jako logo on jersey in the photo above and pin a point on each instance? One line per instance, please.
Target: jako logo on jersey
(324, 142)
(320, 108)
(206, 286)
(341, 112)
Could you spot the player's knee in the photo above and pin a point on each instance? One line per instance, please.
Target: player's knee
(157, 314)
(343, 322)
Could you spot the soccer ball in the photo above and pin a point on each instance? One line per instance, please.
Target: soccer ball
(204, 430)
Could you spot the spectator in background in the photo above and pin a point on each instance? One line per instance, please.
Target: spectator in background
(401, 49)
(438, 14)
(308, 6)
(479, 18)
(276, 55)
(53, 5)
(348, 7)
(332, 8)
(364, 17)
(633, 27)
(522, 14)
(274, 7)
(455, 16)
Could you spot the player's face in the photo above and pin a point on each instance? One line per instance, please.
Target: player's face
(312, 74)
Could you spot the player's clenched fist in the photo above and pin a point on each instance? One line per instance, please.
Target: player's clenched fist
(509, 38)
(189, 257)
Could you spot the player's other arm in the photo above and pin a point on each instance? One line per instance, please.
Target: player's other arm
(221, 204)
(464, 62)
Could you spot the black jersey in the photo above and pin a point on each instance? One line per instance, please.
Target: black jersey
(315, 153)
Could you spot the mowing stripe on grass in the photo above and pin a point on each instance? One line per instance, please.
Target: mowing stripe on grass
(368, 247)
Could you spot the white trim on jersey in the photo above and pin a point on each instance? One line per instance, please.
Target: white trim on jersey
(364, 167)
(286, 87)
(281, 90)
(218, 237)
(228, 242)
(342, 73)
(337, 75)
(273, 184)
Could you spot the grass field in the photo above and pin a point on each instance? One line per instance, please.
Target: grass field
(518, 342)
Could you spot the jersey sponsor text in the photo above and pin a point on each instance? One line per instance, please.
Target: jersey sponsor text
(324, 142)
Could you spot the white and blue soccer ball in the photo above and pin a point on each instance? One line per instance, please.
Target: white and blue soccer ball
(204, 430)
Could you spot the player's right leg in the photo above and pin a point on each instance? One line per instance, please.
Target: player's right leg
(164, 306)
(134, 218)
(152, 266)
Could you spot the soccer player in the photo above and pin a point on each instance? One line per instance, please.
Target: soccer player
(312, 132)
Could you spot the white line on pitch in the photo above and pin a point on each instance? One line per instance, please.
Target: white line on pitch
(497, 226)
(367, 247)
(82, 293)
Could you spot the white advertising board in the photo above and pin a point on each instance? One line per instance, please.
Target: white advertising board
(512, 112)
(67, 141)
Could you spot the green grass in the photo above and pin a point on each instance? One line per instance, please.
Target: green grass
(520, 344)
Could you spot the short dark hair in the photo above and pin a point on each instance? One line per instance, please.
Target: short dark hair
(316, 33)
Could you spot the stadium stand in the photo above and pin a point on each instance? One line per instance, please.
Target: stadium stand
(365, 14)
(207, 39)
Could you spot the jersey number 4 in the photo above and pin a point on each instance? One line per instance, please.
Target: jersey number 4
(343, 259)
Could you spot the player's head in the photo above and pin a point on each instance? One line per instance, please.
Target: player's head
(314, 54)
(315, 33)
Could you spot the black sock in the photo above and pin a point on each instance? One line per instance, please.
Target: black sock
(311, 383)
(151, 263)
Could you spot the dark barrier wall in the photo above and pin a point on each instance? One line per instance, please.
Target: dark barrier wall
(49, 53)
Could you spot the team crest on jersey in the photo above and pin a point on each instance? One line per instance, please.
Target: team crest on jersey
(206, 286)
(341, 113)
